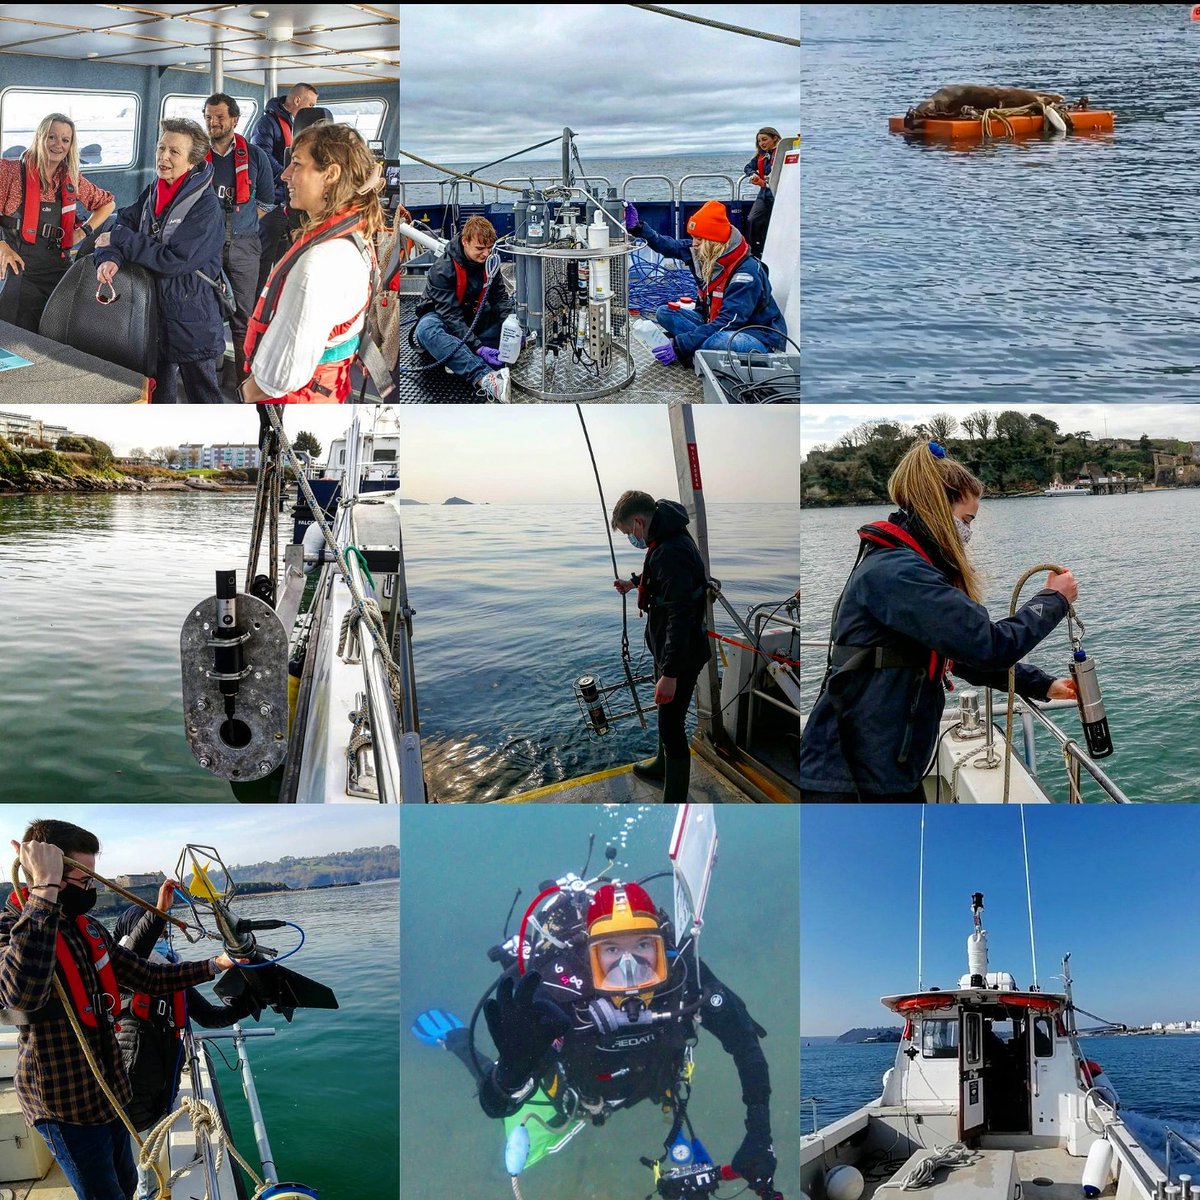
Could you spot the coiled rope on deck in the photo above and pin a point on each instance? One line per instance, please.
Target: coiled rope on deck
(922, 1175)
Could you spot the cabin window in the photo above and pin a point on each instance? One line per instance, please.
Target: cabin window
(365, 115)
(192, 107)
(939, 1039)
(973, 1039)
(106, 124)
(1043, 1037)
(385, 456)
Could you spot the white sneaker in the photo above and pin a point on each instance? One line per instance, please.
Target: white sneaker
(495, 385)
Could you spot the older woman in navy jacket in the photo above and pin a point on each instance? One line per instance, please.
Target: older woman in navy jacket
(176, 230)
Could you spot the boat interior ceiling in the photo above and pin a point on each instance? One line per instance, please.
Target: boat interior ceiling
(145, 63)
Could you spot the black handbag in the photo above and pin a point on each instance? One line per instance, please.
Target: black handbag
(124, 331)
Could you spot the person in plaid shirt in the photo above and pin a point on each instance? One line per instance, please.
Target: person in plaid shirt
(48, 935)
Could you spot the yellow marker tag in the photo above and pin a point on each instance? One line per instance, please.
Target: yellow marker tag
(201, 886)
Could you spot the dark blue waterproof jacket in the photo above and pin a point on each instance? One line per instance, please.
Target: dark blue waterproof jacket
(873, 731)
(748, 299)
(268, 137)
(189, 318)
(751, 168)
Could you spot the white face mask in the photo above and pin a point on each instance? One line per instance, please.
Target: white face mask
(964, 530)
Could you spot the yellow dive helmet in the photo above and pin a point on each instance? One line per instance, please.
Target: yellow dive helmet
(625, 947)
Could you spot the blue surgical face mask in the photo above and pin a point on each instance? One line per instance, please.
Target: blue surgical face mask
(636, 542)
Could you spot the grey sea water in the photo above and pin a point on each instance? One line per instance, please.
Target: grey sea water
(460, 869)
(1138, 610)
(1059, 269)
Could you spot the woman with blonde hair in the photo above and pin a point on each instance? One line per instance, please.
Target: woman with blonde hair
(39, 193)
(309, 323)
(910, 613)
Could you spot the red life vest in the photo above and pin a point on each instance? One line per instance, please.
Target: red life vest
(712, 294)
(460, 286)
(346, 223)
(31, 199)
(285, 127)
(142, 1004)
(643, 592)
(241, 169)
(764, 165)
(893, 537)
(83, 1001)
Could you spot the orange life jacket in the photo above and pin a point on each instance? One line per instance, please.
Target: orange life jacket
(31, 199)
(319, 389)
(83, 1001)
(241, 169)
(712, 294)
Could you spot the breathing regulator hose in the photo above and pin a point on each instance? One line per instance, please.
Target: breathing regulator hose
(1083, 671)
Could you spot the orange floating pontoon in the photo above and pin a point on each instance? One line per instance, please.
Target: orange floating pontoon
(1085, 120)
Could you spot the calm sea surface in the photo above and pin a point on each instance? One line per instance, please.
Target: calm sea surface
(1061, 269)
(460, 867)
(1140, 616)
(328, 1081)
(1152, 1075)
(496, 660)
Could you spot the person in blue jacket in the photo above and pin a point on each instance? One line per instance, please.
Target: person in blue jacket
(735, 309)
(272, 131)
(758, 171)
(176, 230)
(908, 615)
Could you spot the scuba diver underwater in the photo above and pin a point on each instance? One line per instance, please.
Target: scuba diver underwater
(598, 1007)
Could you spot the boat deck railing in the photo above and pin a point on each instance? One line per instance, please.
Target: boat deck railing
(762, 616)
(1175, 1138)
(1075, 760)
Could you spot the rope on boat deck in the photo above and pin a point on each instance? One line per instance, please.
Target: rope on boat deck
(922, 1175)
(756, 33)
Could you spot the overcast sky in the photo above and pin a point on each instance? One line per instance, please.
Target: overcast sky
(136, 838)
(825, 423)
(479, 81)
(519, 454)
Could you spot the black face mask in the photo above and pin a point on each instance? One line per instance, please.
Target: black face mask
(76, 901)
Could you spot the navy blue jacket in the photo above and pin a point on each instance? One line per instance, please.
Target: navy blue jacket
(189, 318)
(751, 168)
(890, 715)
(262, 193)
(268, 137)
(674, 579)
(441, 296)
(748, 299)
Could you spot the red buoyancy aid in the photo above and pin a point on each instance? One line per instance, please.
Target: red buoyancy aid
(83, 1001)
(460, 286)
(142, 1004)
(338, 225)
(241, 169)
(31, 199)
(712, 294)
(643, 592)
(286, 128)
(893, 537)
(764, 165)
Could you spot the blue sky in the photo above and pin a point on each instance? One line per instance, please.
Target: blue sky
(137, 838)
(1115, 886)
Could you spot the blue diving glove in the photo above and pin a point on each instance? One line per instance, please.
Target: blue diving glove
(632, 220)
(665, 353)
(755, 1158)
(522, 1029)
(491, 357)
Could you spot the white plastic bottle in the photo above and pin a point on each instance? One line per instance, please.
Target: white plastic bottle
(649, 333)
(510, 339)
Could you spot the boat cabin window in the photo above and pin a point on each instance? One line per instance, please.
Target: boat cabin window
(384, 456)
(192, 107)
(939, 1038)
(973, 1039)
(1043, 1037)
(106, 123)
(365, 115)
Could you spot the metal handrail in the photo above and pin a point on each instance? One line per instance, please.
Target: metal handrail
(710, 175)
(1174, 1136)
(665, 178)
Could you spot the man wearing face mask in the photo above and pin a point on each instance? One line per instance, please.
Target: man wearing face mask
(910, 614)
(671, 592)
(45, 933)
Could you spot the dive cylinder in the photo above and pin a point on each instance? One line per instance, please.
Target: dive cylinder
(1091, 705)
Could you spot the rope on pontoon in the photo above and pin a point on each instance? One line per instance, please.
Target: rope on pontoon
(756, 33)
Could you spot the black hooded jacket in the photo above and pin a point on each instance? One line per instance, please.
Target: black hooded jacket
(673, 582)
(441, 296)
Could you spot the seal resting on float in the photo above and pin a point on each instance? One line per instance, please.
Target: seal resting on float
(952, 99)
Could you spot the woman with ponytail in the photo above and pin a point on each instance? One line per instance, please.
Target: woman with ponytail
(910, 613)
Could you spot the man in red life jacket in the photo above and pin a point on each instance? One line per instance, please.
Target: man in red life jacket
(460, 313)
(273, 130)
(244, 185)
(45, 933)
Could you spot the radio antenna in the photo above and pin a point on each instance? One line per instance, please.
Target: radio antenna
(1029, 900)
(921, 899)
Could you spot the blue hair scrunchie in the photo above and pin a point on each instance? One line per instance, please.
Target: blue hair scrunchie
(936, 450)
